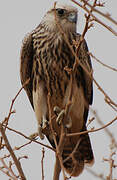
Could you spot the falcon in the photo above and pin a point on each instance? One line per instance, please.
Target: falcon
(44, 56)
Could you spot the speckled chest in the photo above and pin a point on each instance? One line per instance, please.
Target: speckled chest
(51, 56)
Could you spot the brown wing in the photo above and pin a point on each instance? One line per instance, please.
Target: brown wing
(86, 80)
(26, 61)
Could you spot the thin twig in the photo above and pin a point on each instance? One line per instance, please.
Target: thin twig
(106, 129)
(109, 67)
(95, 174)
(95, 18)
(107, 98)
(73, 152)
(26, 137)
(110, 160)
(105, 15)
(90, 121)
(42, 166)
(12, 103)
(8, 146)
(92, 130)
(8, 174)
(9, 171)
(15, 149)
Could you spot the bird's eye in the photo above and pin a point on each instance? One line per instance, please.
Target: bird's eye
(60, 11)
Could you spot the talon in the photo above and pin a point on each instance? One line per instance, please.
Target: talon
(60, 117)
(41, 135)
(42, 127)
(44, 123)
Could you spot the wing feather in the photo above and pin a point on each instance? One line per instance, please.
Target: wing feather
(26, 61)
(86, 61)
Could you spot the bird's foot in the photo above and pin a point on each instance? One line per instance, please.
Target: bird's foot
(41, 135)
(44, 123)
(42, 127)
(60, 115)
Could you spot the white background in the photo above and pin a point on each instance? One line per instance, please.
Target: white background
(17, 18)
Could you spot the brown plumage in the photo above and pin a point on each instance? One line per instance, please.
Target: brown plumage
(44, 55)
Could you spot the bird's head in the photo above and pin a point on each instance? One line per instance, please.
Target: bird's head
(65, 15)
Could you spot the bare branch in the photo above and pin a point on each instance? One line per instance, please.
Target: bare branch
(106, 15)
(9, 171)
(95, 174)
(57, 169)
(42, 166)
(92, 130)
(26, 137)
(109, 67)
(13, 101)
(106, 129)
(95, 18)
(17, 163)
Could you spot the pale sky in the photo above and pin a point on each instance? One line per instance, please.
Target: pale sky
(17, 18)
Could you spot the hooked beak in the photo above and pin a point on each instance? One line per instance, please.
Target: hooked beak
(72, 17)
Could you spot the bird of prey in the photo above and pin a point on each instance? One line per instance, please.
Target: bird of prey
(44, 56)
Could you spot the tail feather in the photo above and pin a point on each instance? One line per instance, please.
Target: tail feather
(75, 158)
(76, 153)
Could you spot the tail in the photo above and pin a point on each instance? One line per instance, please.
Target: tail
(77, 155)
